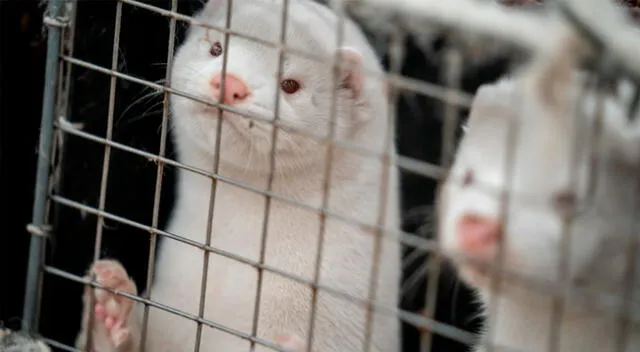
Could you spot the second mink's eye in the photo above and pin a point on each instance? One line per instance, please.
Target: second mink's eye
(216, 49)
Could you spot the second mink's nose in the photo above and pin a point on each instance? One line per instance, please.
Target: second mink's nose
(478, 235)
(235, 90)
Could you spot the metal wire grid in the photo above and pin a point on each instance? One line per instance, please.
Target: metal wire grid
(59, 17)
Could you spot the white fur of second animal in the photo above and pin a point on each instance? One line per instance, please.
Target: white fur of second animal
(362, 117)
(541, 101)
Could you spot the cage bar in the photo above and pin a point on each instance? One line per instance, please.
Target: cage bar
(55, 21)
(159, 173)
(214, 183)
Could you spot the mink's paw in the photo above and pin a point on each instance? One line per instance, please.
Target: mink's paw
(112, 312)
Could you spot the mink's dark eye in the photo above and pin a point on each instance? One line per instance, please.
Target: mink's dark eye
(564, 202)
(290, 86)
(216, 49)
(468, 178)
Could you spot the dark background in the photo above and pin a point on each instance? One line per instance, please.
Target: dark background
(143, 50)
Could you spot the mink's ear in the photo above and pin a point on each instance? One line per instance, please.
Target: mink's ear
(351, 73)
(550, 76)
(492, 101)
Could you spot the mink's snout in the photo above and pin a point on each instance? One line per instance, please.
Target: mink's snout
(235, 90)
(478, 235)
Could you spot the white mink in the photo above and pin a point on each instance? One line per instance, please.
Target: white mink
(362, 117)
(542, 102)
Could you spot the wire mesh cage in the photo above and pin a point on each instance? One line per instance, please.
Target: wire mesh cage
(286, 232)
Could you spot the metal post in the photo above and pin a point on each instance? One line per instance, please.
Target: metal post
(36, 247)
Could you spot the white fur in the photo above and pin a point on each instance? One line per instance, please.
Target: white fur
(292, 230)
(12, 341)
(486, 18)
(387, 19)
(542, 102)
(610, 22)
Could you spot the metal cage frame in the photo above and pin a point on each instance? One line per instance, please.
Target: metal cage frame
(520, 29)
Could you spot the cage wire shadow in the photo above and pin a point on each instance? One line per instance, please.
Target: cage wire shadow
(59, 19)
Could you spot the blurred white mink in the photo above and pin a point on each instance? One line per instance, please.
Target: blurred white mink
(305, 102)
(543, 103)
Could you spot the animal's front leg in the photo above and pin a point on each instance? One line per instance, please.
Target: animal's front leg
(115, 328)
(290, 342)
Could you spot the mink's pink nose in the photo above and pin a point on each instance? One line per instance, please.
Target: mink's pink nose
(478, 235)
(234, 89)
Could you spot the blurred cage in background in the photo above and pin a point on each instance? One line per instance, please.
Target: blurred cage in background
(58, 125)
